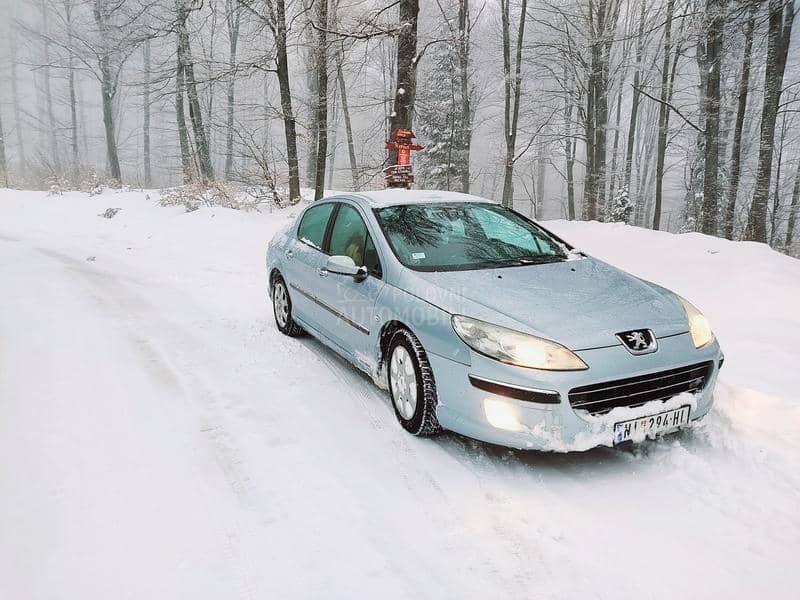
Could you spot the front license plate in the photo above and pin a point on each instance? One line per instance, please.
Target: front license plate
(652, 425)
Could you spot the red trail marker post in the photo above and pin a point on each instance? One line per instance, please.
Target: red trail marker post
(401, 175)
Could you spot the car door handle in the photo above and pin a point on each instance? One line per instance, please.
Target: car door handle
(289, 254)
(323, 272)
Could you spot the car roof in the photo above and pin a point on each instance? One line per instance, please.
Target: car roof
(393, 197)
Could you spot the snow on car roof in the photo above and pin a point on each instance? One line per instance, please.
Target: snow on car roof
(393, 197)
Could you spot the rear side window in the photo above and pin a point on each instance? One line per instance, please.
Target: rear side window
(312, 227)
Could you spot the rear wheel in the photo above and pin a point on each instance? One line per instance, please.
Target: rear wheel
(411, 385)
(282, 308)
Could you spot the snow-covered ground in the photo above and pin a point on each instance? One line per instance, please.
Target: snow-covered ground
(160, 439)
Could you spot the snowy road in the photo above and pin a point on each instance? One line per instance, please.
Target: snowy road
(160, 439)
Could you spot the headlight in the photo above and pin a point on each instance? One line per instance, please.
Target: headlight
(514, 347)
(699, 326)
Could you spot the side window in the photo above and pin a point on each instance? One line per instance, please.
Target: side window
(312, 227)
(349, 237)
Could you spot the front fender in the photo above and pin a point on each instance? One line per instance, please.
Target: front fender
(429, 323)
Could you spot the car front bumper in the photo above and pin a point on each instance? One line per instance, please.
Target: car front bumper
(557, 426)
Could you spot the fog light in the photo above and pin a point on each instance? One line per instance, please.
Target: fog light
(501, 414)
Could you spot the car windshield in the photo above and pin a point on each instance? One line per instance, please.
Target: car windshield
(461, 236)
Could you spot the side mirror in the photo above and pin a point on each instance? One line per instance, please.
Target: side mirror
(344, 265)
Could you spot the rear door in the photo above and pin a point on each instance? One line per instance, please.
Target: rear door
(304, 259)
(350, 304)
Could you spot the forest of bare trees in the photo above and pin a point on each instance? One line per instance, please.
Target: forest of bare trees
(682, 115)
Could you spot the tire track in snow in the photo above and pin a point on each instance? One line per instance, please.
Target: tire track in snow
(372, 400)
(116, 298)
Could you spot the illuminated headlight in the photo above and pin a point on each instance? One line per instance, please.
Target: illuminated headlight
(501, 414)
(699, 326)
(514, 347)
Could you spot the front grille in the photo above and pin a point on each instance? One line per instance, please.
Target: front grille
(600, 398)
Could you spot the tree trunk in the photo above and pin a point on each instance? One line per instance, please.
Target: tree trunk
(589, 209)
(776, 195)
(513, 91)
(322, 99)
(310, 67)
(715, 15)
(741, 111)
(402, 116)
(289, 124)
(615, 145)
(569, 150)
(73, 103)
(465, 129)
(52, 126)
(183, 132)
(233, 17)
(108, 89)
(351, 147)
(334, 130)
(637, 77)
(541, 177)
(148, 175)
(781, 15)
(663, 115)
(23, 163)
(3, 163)
(602, 23)
(195, 112)
(793, 209)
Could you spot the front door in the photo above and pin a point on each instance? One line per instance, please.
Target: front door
(350, 303)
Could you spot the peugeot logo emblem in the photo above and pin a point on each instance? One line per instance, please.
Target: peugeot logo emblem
(639, 341)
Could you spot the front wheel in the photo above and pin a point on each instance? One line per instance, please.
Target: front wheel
(411, 385)
(282, 308)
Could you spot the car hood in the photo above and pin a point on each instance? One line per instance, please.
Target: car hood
(579, 303)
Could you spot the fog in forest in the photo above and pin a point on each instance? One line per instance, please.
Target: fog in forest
(668, 114)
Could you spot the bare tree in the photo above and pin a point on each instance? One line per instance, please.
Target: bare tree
(233, 17)
(322, 98)
(148, 175)
(73, 103)
(275, 18)
(465, 128)
(793, 209)
(668, 68)
(351, 147)
(3, 163)
(52, 126)
(186, 65)
(781, 16)
(513, 92)
(715, 22)
(635, 99)
(601, 18)
(741, 110)
(23, 163)
(187, 166)
(569, 148)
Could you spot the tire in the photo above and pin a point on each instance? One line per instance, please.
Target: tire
(414, 400)
(282, 309)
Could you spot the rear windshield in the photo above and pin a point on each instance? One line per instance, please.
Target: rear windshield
(461, 236)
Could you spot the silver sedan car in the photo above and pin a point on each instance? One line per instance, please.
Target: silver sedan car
(480, 321)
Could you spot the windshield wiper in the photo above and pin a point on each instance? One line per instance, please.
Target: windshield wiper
(517, 262)
(538, 260)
